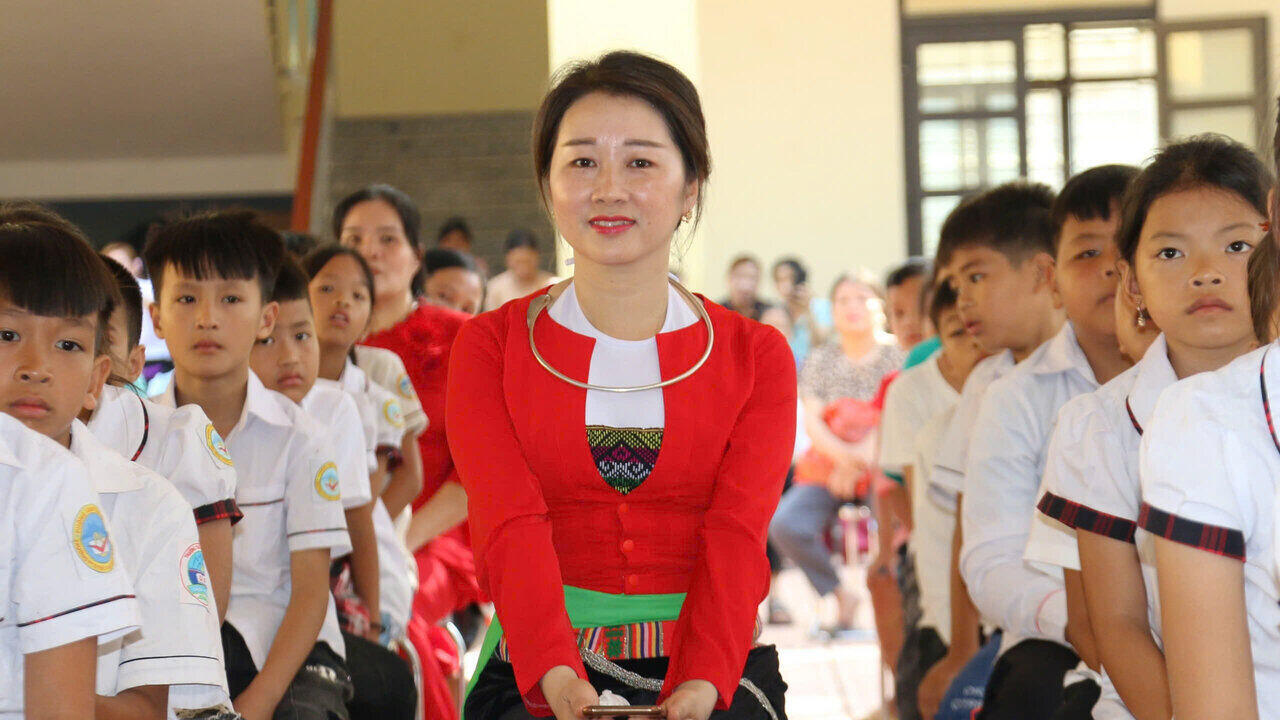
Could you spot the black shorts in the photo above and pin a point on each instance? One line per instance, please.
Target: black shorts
(319, 691)
(1026, 681)
(495, 696)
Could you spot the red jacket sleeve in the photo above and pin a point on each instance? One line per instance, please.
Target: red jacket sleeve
(731, 579)
(510, 527)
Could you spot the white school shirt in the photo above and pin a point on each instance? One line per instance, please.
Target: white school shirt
(179, 444)
(1209, 466)
(385, 368)
(934, 518)
(356, 384)
(1006, 461)
(953, 450)
(342, 434)
(61, 578)
(918, 394)
(1091, 480)
(397, 569)
(179, 643)
(290, 493)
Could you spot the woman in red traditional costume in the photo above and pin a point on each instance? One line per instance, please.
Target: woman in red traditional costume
(623, 442)
(382, 223)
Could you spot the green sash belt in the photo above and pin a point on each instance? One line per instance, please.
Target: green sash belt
(589, 609)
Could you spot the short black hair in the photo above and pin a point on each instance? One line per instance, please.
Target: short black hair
(298, 244)
(799, 275)
(914, 267)
(454, 224)
(521, 238)
(1013, 219)
(944, 298)
(130, 299)
(291, 283)
(314, 262)
(1208, 160)
(437, 259)
(1091, 195)
(48, 268)
(230, 244)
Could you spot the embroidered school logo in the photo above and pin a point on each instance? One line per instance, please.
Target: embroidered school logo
(195, 578)
(327, 482)
(89, 536)
(404, 386)
(391, 410)
(218, 448)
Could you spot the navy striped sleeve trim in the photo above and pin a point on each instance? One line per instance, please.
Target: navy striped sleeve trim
(54, 616)
(1210, 538)
(168, 657)
(220, 510)
(1081, 517)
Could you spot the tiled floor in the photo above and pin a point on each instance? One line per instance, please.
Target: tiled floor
(829, 680)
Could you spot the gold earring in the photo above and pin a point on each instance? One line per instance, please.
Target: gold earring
(1142, 317)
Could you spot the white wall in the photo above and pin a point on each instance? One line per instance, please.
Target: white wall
(804, 109)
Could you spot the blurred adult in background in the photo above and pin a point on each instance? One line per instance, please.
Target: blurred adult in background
(455, 234)
(126, 255)
(524, 273)
(905, 313)
(810, 317)
(452, 280)
(744, 288)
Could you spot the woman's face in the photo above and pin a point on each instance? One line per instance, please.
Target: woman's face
(374, 229)
(616, 182)
(855, 308)
(523, 262)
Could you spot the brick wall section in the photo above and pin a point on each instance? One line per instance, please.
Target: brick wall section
(477, 165)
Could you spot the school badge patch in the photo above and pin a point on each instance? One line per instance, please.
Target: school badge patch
(405, 387)
(89, 537)
(391, 411)
(195, 578)
(217, 447)
(327, 485)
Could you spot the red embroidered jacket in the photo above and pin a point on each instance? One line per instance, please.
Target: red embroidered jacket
(542, 516)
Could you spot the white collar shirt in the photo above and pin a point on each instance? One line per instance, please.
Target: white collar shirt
(356, 384)
(180, 444)
(385, 368)
(289, 490)
(61, 577)
(1006, 461)
(341, 431)
(953, 450)
(918, 394)
(1208, 466)
(179, 643)
(934, 518)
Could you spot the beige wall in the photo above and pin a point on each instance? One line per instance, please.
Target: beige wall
(804, 108)
(427, 57)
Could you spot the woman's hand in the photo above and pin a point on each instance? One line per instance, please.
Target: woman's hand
(691, 700)
(566, 693)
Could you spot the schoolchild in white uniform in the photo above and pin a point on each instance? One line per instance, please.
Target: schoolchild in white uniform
(1171, 251)
(58, 352)
(915, 398)
(1008, 449)
(62, 590)
(213, 274)
(341, 295)
(996, 248)
(288, 360)
(341, 290)
(180, 444)
(1208, 465)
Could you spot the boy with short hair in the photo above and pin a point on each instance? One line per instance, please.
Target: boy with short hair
(913, 419)
(213, 275)
(997, 250)
(179, 444)
(54, 357)
(1010, 437)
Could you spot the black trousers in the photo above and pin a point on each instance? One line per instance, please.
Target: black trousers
(384, 687)
(318, 692)
(495, 696)
(1026, 681)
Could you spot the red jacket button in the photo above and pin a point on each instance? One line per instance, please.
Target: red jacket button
(628, 545)
(633, 580)
(622, 509)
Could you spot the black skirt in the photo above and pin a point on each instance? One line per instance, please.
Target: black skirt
(495, 696)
